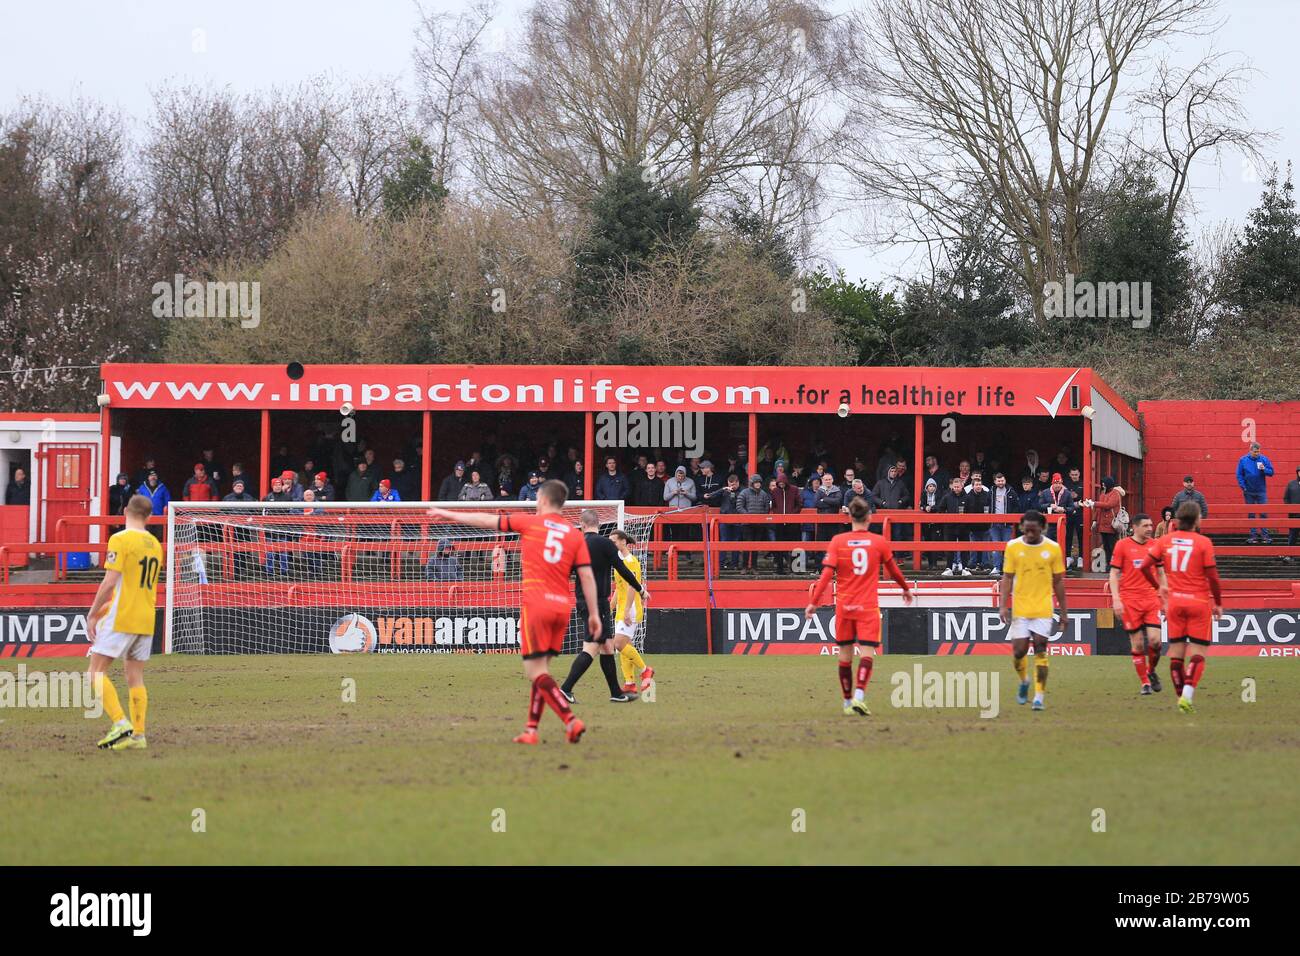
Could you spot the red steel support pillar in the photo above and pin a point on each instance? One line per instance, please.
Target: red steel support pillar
(751, 465)
(1085, 541)
(426, 459)
(588, 454)
(105, 448)
(264, 464)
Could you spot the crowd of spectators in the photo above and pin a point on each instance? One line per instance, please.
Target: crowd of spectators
(982, 483)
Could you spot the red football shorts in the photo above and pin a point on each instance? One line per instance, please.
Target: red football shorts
(864, 630)
(1141, 610)
(541, 631)
(1189, 617)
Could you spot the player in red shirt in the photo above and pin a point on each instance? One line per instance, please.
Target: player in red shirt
(550, 549)
(1194, 600)
(1137, 602)
(854, 559)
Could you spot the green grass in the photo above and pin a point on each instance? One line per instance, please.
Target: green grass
(711, 772)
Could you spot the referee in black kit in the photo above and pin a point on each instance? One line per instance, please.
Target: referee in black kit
(604, 561)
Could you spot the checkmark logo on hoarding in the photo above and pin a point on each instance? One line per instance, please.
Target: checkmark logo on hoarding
(1055, 403)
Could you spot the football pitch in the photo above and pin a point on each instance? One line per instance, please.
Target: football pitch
(738, 760)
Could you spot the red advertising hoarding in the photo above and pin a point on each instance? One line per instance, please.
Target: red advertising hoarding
(984, 391)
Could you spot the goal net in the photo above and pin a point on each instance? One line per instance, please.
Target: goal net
(349, 577)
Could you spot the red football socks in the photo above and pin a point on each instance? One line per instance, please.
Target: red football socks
(864, 671)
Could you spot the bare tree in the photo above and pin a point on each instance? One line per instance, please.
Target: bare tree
(724, 97)
(367, 138)
(966, 104)
(1197, 112)
(73, 261)
(448, 65)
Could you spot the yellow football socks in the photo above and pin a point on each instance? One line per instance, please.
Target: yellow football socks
(139, 706)
(632, 662)
(1040, 672)
(106, 692)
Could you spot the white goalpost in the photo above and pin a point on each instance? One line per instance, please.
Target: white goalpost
(354, 577)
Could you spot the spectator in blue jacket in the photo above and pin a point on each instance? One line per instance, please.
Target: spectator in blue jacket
(612, 485)
(157, 492)
(1253, 472)
(386, 492)
(529, 491)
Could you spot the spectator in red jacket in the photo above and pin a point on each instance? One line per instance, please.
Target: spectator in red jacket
(200, 487)
(786, 500)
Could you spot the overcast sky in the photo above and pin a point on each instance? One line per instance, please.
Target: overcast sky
(118, 50)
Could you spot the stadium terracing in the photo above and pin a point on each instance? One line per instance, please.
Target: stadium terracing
(168, 413)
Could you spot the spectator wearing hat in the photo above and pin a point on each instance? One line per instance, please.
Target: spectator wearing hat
(529, 491)
(277, 561)
(386, 492)
(1056, 499)
(289, 484)
(449, 490)
(361, 484)
(893, 494)
(213, 467)
(443, 564)
(153, 489)
(324, 491)
(1106, 510)
(118, 495)
(142, 475)
(679, 490)
(1074, 523)
(786, 500)
(1190, 492)
(241, 534)
(1292, 497)
(1253, 471)
(707, 482)
(200, 487)
(476, 489)
(753, 500)
(931, 495)
(239, 491)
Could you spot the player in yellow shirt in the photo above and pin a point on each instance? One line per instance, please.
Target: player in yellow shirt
(1033, 569)
(629, 612)
(122, 622)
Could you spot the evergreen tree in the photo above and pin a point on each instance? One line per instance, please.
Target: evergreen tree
(1266, 262)
(415, 182)
(632, 219)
